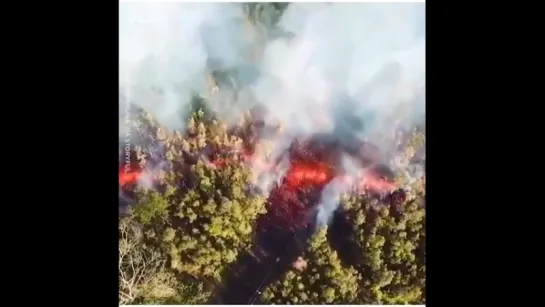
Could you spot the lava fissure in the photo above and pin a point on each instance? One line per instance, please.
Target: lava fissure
(312, 164)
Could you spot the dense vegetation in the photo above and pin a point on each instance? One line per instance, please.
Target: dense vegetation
(198, 216)
(182, 239)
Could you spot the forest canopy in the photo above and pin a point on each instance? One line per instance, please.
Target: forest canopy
(197, 226)
(189, 231)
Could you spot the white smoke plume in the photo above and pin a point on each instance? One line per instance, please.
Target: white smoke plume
(330, 201)
(337, 48)
(346, 68)
(162, 55)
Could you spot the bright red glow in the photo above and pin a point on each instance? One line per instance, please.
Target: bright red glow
(310, 170)
(128, 176)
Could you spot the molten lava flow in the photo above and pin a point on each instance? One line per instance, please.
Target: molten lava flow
(307, 169)
(320, 175)
(312, 165)
(317, 174)
(372, 182)
(128, 177)
(300, 173)
(289, 202)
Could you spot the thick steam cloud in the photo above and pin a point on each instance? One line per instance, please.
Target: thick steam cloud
(371, 53)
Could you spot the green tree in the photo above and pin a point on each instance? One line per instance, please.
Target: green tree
(150, 206)
(390, 238)
(323, 281)
(200, 213)
(143, 276)
(199, 217)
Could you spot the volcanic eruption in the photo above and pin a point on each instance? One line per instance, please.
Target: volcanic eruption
(301, 172)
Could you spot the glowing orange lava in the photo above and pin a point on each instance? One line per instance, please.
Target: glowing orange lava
(298, 175)
(128, 176)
